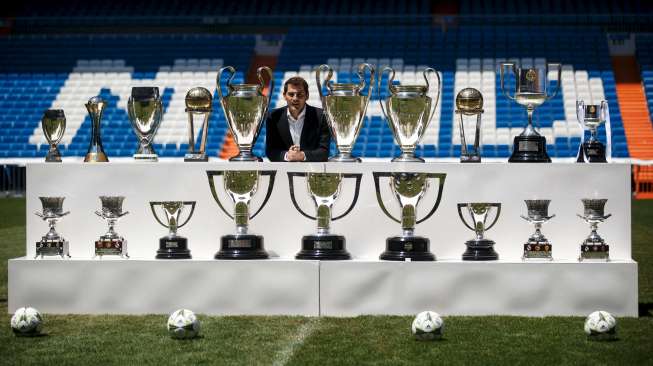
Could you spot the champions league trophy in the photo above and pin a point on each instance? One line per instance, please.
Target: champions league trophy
(408, 189)
(173, 246)
(531, 92)
(198, 104)
(590, 118)
(409, 111)
(479, 248)
(469, 102)
(324, 189)
(95, 154)
(594, 247)
(245, 108)
(111, 243)
(537, 246)
(52, 243)
(241, 186)
(53, 124)
(145, 111)
(344, 108)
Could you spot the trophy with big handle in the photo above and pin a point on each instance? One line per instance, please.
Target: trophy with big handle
(241, 186)
(590, 117)
(52, 243)
(408, 189)
(345, 108)
(198, 106)
(324, 189)
(409, 111)
(537, 246)
(111, 243)
(594, 247)
(479, 248)
(145, 110)
(469, 103)
(172, 246)
(95, 154)
(53, 124)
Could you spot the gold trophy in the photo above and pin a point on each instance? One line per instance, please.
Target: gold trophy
(198, 104)
(54, 125)
(469, 103)
(95, 154)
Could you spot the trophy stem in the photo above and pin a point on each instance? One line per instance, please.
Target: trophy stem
(54, 155)
(245, 154)
(145, 151)
(345, 157)
(407, 155)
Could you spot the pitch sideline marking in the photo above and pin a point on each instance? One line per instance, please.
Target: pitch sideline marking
(304, 332)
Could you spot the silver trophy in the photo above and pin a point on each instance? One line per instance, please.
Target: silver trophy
(537, 246)
(479, 248)
(245, 108)
(52, 243)
(408, 189)
(324, 189)
(198, 105)
(344, 107)
(531, 85)
(111, 243)
(469, 103)
(590, 118)
(241, 186)
(53, 124)
(172, 246)
(409, 111)
(95, 154)
(594, 247)
(145, 111)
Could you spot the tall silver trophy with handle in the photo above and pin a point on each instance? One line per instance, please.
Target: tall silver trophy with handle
(479, 248)
(594, 247)
(344, 107)
(408, 188)
(409, 111)
(469, 103)
(537, 246)
(172, 246)
(198, 106)
(590, 117)
(245, 107)
(145, 110)
(111, 243)
(52, 243)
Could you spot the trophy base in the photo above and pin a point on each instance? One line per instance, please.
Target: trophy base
(344, 158)
(323, 247)
(173, 248)
(196, 157)
(96, 157)
(529, 149)
(595, 252)
(538, 251)
(245, 157)
(401, 248)
(243, 246)
(407, 158)
(146, 157)
(111, 246)
(480, 250)
(48, 248)
(470, 158)
(592, 152)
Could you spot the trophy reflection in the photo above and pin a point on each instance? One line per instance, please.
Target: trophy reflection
(53, 124)
(479, 248)
(95, 154)
(590, 118)
(408, 189)
(344, 108)
(409, 111)
(145, 111)
(198, 105)
(469, 103)
(537, 246)
(172, 246)
(594, 247)
(241, 186)
(324, 189)
(111, 243)
(52, 243)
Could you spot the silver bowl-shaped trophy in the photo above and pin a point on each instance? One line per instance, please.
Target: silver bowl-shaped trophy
(241, 186)
(408, 189)
(324, 189)
(479, 248)
(594, 247)
(172, 246)
(95, 154)
(590, 118)
(409, 111)
(537, 246)
(53, 124)
(145, 110)
(198, 105)
(345, 108)
(469, 103)
(111, 243)
(245, 108)
(52, 243)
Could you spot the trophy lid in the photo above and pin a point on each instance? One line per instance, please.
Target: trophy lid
(54, 114)
(145, 93)
(537, 208)
(469, 101)
(594, 207)
(198, 99)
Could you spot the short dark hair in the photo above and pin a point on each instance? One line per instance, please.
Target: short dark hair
(296, 81)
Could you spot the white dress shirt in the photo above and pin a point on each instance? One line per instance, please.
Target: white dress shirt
(295, 126)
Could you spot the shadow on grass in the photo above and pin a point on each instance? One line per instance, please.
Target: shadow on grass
(645, 309)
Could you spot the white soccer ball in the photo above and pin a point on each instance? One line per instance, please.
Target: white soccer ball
(26, 322)
(600, 323)
(428, 325)
(183, 324)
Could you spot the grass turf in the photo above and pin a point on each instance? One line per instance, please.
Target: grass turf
(81, 339)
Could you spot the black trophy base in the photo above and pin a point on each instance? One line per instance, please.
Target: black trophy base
(480, 250)
(529, 149)
(592, 152)
(594, 251)
(401, 248)
(173, 248)
(323, 247)
(538, 250)
(49, 247)
(243, 246)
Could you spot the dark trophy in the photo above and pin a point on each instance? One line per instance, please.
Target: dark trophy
(594, 247)
(590, 118)
(479, 248)
(408, 189)
(198, 104)
(111, 243)
(241, 186)
(173, 246)
(537, 246)
(95, 153)
(52, 243)
(469, 103)
(53, 124)
(324, 189)
(145, 111)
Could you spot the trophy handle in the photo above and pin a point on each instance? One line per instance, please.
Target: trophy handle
(391, 77)
(39, 215)
(437, 98)
(192, 209)
(525, 218)
(271, 174)
(580, 112)
(460, 213)
(358, 177)
(496, 218)
(361, 78)
(99, 214)
(550, 217)
(503, 89)
(318, 71)
(604, 110)
(210, 175)
(219, 79)
(441, 177)
(270, 85)
(557, 89)
(377, 187)
(156, 216)
(291, 185)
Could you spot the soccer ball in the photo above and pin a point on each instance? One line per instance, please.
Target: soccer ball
(26, 322)
(600, 324)
(183, 324)
(427, 325)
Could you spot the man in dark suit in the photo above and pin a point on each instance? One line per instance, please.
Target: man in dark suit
(297, 132)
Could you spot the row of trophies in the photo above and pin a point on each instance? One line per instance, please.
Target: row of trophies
(408, 110)
(324, 189)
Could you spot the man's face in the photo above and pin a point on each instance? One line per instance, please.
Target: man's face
(295, 97)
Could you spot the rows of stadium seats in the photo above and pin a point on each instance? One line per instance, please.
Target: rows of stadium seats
(645, 59)
(583, 7)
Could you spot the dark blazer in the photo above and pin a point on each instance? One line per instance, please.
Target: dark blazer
(314, 141)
